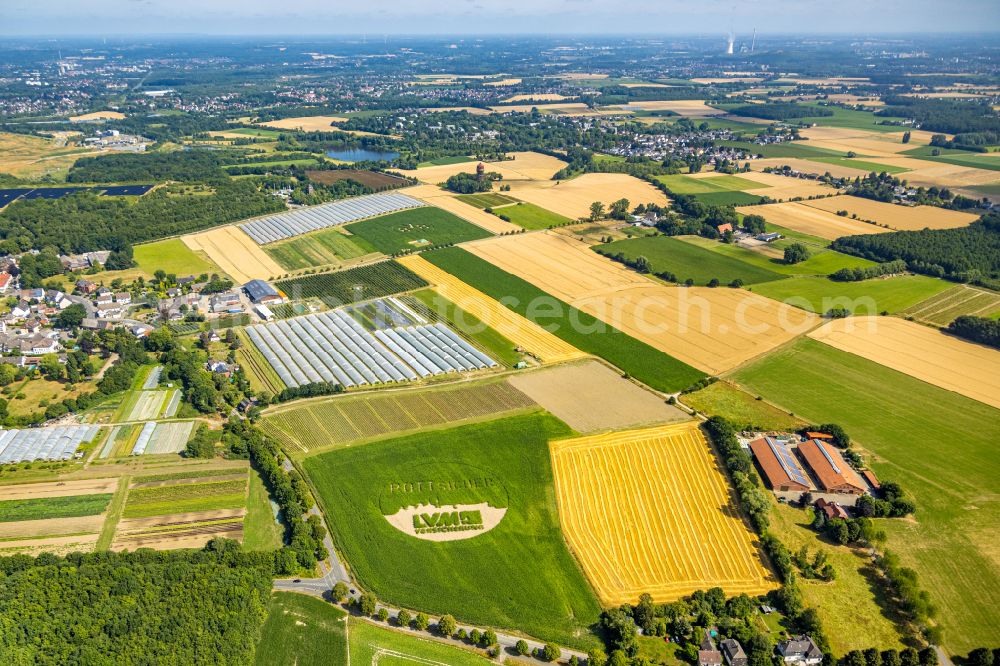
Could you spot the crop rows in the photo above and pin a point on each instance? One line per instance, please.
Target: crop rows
(355, 284)
(349, 419)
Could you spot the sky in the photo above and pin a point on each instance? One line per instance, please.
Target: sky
(351, 17)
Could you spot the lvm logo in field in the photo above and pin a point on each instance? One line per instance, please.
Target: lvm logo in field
(450, 523)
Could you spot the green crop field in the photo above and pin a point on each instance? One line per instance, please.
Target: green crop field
(355, 284)
(329, 246)
(944, 307)
(820, 262)
(785, 149)
(531, 216)
(185, 497)
(444, 161)
(302, 631)
(414, 229)
(519, 575)
(39, 508)
(325, 424)
(685, 260)
(172, 256)
(728, 199)
(260, 529)
(680, 184)
(587, 333)
(489, 340)
(939, 445)
(487, 199)
(375, 644)
(957, 157)
(852, 119)
(744, 410)
(255, 131)
(868, 297)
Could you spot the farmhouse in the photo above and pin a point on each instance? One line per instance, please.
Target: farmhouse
(832, 509)
(261, 292)
(800, 650)
(778, 465)
(830, 468)
(708, 655)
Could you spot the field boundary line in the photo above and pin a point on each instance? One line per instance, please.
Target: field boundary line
(115, 510)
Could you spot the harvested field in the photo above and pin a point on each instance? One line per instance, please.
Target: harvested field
(58, 489)
(59, 545)
(938, 174)
(590, 397)
(235, 253)
(784, 187)
(810, 220)
(97, 115)
(524, 166)
(502, 82)
(335, 422)
(51, 526)
(807, 166)
(931, 356)
(944, 308)
(649, 511)
(307, 123)
(572, 198)
(372, 179)
(179, 530)
(711, 329)
(904, 218)
(435, 196)
(522, 332)
(862, 142)
(689, 108)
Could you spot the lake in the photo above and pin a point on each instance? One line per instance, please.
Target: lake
(361, 155)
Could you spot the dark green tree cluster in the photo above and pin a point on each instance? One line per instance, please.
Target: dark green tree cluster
(189, 166)
(905, 657)
(959, 117)
(978, 329)
(796, 253)
(753, 498)
(859, 273)
(966, 254)
(780, 111)
(467, 183)
(179, 607)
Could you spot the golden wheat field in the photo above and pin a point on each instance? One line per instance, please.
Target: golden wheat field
(522, 332)
(535, 97)
(572, 198)
(98, 115)
(306, 123)
(649, 511)
(906, 218)
(713, 330)
(919, 351)
(691, 108)
(235, 253)
(435, 196)
(813, 221)
(863, 142)
(524, 166)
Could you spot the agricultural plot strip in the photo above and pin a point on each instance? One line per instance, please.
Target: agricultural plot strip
(942, 360)
(43, 443)
(526, 334)
(170, 437)
(944, 308)
(348, 418)
(649, 511)
(144, 436)
(153, 378)
(334, 347)
(303, 220)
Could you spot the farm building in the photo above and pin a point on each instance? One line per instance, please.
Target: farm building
(871, 479)
(830, 468)
(261, 292)
(778, 465)
(832, 509)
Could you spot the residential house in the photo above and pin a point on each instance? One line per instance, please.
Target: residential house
(104, 299)
(86, 287)
(5, 281)
(123, 298)
(832, 509)
(733, 652)
(708, 655)
(800, 650)
(21, 310)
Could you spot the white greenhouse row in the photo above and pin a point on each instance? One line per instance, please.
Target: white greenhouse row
(59, 443)
(303, 220)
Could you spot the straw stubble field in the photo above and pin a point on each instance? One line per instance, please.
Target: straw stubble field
(649, 511)
(713, 330)
(526, 334)
(235, 253)
(810, 220)
(906, 218)
(924, 353)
